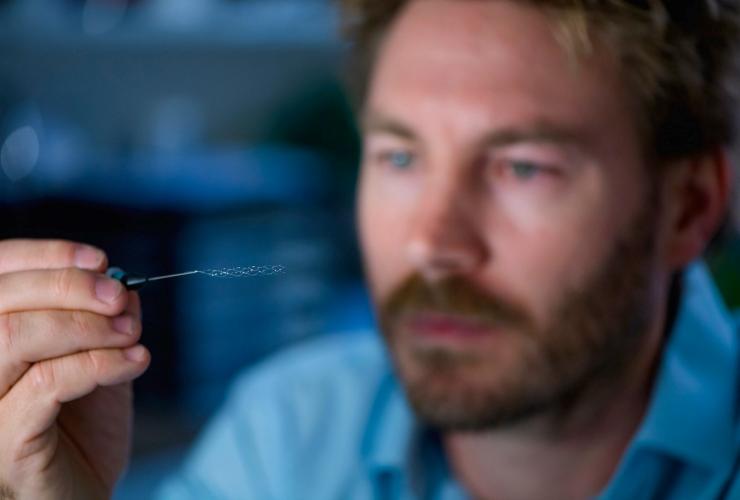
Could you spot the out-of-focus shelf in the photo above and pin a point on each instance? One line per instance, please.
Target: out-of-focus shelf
(275, 23)
(198, 181)
(232, 64)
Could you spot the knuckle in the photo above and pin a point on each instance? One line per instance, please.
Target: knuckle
(42, 377)
(61, 250)
(95, 362)
(9, 328)
(11, 331)
(63, 282)
(81, 323)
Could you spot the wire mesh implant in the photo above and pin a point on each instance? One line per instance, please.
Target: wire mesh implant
(135, 281)
(242, 272)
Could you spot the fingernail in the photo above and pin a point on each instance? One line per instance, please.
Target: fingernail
(87, 257)
(108, 290)
(124, 324)
(136, 353)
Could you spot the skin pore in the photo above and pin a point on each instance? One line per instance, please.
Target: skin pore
(517, 246)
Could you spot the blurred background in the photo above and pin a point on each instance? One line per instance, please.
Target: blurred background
(179, 135)
(192, 134)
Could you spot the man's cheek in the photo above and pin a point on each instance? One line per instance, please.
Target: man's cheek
(380, 266)
(384, 249)
(536, 266)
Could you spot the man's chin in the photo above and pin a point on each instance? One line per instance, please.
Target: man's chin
(446, 393)
(462, 391)
(460, 407)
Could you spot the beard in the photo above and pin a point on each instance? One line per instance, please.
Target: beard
(593, 335)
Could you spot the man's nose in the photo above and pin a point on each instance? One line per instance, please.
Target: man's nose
(445, 239)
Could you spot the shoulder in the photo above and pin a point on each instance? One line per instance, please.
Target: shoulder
(327, 363)
(290, 425)
(306, 411)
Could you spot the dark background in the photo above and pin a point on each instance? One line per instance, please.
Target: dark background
(192, 134)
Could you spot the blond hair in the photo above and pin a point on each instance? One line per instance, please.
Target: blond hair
(677, 57)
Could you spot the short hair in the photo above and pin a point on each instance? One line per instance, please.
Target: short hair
(678, 58)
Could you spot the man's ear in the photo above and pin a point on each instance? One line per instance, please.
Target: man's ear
(696, 198)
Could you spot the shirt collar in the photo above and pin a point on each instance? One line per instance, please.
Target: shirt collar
(692, 412)
(399, 452)
(390, 429)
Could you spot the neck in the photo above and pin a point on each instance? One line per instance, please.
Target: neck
(563, 455)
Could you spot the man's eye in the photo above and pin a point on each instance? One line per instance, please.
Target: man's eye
(397, 159)
(524, 170)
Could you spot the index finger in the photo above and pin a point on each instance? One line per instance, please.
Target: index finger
(28, 254)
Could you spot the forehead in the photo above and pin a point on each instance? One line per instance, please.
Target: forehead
(497, 61)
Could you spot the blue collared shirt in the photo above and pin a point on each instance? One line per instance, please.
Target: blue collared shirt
(328, 420)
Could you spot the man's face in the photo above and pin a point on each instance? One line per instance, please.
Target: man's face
(505, 213)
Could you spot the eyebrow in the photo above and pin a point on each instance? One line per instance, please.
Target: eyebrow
(378, 123)
(540, 132)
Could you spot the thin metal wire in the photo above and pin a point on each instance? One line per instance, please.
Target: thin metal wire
(168, 276)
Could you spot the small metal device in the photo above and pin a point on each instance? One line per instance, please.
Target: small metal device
(135, 281)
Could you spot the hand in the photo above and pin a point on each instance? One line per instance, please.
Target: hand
(68, 353)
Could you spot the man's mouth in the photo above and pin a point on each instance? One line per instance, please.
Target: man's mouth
(445, 327)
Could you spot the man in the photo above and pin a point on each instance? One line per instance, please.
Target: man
(538, 180)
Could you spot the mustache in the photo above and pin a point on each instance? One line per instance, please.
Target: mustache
(454, 296)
